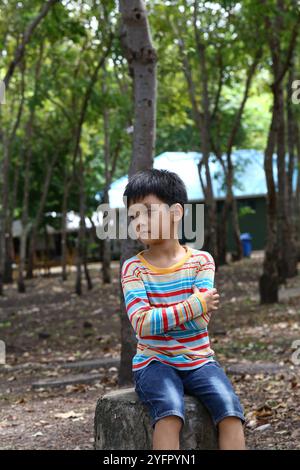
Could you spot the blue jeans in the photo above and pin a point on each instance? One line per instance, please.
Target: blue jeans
(162, 387)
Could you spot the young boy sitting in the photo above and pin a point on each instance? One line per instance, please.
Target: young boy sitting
(169, 297)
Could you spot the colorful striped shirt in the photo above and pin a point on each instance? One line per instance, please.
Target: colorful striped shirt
(170, 320)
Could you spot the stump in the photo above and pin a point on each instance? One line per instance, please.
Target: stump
(123, 422)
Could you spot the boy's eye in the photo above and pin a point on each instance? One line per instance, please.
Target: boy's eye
(148, 212)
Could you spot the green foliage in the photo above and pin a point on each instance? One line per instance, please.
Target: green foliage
(75, 35)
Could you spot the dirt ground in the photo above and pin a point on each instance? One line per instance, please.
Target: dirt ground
(49, 326)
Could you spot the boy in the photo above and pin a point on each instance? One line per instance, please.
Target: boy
(169, 297)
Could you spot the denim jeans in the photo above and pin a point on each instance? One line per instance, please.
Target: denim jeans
(161, 388)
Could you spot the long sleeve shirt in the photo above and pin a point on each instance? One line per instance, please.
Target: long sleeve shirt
(169, 319)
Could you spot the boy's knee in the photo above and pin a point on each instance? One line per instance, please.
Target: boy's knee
(229, 421)
(170, 421)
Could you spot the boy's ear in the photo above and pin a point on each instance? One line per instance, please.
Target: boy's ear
(176, 211)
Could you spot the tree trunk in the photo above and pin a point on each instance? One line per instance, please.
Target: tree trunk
(292, 150)
(39, 215)
(141, 57)
(278, 263)
(122, 422)
(269, 281)
(24, 218)
(287, 262)
(211, 242)
(81, 238)
(10, 253)
(296, 207)
(238, 255)
(202, 123)
(222, 233)
(5, 219)
(27, 161)
(106, 253)
(230, 168)
(67, 183)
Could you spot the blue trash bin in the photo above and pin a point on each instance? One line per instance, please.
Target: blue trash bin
(247, 244)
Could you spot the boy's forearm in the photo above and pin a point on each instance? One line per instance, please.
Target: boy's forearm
(156, 321)
(148, 320)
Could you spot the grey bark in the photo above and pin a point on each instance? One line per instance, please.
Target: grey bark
(122, 422)
(27, 163)
(279, 252)
(81, 260)
(141, 57)
(211, 226)
(38, 217)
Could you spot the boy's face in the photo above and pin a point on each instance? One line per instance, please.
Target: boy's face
(152, 219)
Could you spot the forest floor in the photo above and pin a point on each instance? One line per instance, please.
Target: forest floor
(50, 328)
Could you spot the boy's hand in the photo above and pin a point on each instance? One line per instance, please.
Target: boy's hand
(211, 297)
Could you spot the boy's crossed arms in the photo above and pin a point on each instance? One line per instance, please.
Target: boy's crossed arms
(149, 320)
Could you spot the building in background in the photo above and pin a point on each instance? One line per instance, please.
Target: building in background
(250, 188)
(250, 191)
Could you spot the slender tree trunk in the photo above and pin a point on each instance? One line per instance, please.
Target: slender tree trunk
(296, 206)
(106, 258)
(211, 242)
(222, 233)
(269, 280)
(141, 58)
(292, 149)
(38, 218)
(79, 251)
(238, 255)
(81, 238)
(83, 110)
(10, 252)
(4, 234)
(202, 122)
(106, 253)
(279, 257)
(67, 183)
(24, 218)
(5, 223)
(84, 238)
(27, 162)
(287, 262)
(231, 203)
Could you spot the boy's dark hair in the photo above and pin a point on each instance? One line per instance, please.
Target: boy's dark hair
(164, 184)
